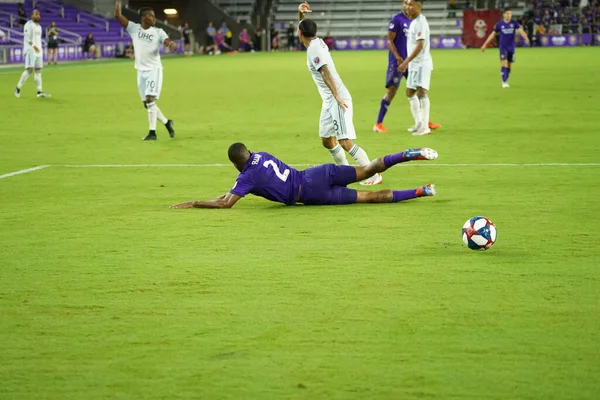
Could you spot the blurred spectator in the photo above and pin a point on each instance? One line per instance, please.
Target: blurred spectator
(275, 39)
(452, 7)
(258, 38)
(52, 37)
(22, 14)
(211, 34)
(245, 42)
(291, 36)
(186, 32)
(221, 44)
(226, 32)
(329, 41)
(89, 46)
(3, 36)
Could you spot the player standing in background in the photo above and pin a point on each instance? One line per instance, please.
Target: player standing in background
(419, 66)
(507, 29)
(336, 126)
(32, 50)
(146, 44)
(396, 42)
(262, 174)
(185, 33)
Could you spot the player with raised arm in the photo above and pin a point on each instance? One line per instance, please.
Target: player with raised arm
(335, 127)
(146, 45)
(32, 50)
(261, 174)
(396, 42)
(506, 29)
(419, 65)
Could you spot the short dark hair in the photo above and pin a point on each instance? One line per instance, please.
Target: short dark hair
(506, 9)
(308, 27)
(144, 11)
(238, 153)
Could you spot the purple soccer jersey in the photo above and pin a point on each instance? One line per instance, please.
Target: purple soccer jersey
(506, 32)
(399, 24)
(266, 176)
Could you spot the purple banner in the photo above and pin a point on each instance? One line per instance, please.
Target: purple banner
(75, 52)
(559, 40)
(447, 42)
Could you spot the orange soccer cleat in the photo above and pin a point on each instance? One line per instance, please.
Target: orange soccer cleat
(434, 126)
(380, 128)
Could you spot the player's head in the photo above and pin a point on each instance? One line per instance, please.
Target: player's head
(238, 155)
(405, 7)
(186, 25)
(147, 15)
(507, 14)
(413, 8)
(307, 28)
(35, 16)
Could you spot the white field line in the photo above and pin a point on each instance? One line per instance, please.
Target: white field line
(307, 165)
(23, 171)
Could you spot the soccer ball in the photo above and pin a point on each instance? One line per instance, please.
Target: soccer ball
(479, 233)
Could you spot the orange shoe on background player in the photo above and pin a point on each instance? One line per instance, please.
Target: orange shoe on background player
(380, 128)
(434, 126)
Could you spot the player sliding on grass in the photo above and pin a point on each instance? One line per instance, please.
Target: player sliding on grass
(261, 174)
(335, 126)
(396, 42)
(146, 43)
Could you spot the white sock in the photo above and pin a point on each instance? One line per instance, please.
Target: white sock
(160, 115)
(425, 105)
(415, 109)
(359, 155)
(38, 80)
(339, 157)
(23, 79)
(152, 114)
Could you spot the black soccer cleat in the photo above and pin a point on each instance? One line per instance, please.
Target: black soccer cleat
(150, 136)
(17, 92)
(169, 126)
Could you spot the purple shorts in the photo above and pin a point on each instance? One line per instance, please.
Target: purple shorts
(326, 185)
(393, 77)
(508, 55)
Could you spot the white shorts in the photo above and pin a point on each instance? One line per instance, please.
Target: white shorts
(150, 83)
(419, 76)
(337, 122)
(34, 60)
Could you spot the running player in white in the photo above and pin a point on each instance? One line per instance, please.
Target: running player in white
(336, 126)
(32, 50)
(420, 65)
(146, 43)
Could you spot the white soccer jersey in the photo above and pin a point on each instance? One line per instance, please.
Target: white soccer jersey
(146, 44)
(318, 55)
(419, 30)
(32, 34)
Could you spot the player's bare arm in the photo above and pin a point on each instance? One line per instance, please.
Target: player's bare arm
(488, 40)
(122, 20)
(521, 32)
(402, 67)
(328, 79)
(392, 47)
(227, 200)
(170, 44)
(302, 10)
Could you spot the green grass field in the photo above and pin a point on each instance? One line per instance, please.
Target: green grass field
(107, 293)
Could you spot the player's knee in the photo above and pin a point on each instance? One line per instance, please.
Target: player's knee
(347, 144)
(145, 105)
(29, 71)
(391, 93)
(329, 143)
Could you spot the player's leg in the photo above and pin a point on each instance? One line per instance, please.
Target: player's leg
(509, 60)
(29, 66)
(504, 67)
(424, 103)
(382, 164)
(37, 76)
(392, 82)
(394, 196)
(159, 115)
(413, 100)
(328, 138)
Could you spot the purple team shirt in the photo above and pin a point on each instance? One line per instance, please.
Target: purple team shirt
(506, 32)
(266, 176)
(399, 24)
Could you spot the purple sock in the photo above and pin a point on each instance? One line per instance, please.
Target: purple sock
(382, 110)
(504, 72)
(507, 73)
(401, 195)
(394, 159)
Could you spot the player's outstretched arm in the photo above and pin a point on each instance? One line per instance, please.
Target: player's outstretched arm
(523, 34)
(122, 20)
(302, 10)
(328, 79)
(227, 200)
(488, 40)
